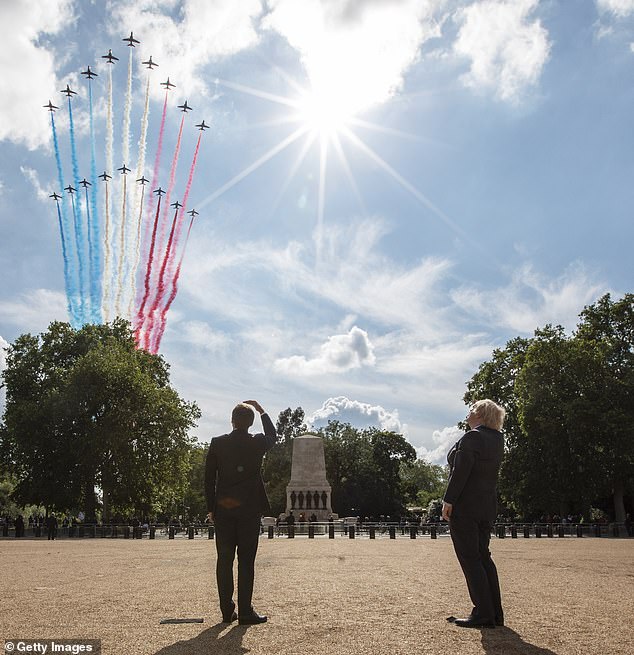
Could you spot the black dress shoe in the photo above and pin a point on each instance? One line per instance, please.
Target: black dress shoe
(473, 622)
(252, 619)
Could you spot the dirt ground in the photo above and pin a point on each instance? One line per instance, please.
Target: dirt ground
(561, 597)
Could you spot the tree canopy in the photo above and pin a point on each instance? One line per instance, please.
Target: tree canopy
(86, 409)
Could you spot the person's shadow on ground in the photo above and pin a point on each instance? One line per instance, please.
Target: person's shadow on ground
(219, 639)
(504, 641)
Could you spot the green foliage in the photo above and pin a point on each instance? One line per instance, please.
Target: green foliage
(194, 496)
(422, 482)
(85, 408)
(363, 468)
(570, 408)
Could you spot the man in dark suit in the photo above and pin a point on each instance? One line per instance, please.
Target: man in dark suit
(470, 506)
(236, 500)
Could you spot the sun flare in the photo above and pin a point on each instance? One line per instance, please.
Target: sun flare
(323, 114)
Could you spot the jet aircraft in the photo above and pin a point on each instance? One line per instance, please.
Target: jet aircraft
(110, 57)
(131, 40)
(150, 64)
(68, 91)
(89, 74)
(185, 107)
(55, 196)
(202, 127)
(105, 177)
(168, 85)
(50, 106)
(124, 170)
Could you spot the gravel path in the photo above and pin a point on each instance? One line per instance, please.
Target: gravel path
(561, 597)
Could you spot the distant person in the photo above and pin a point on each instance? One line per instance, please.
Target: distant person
(290, 519)
(19, 526)
(236, 500)
(51, 527)
(470, 507)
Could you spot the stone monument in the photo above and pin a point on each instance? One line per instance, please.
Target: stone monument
(308, 492)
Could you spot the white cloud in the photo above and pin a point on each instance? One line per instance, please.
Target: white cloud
(355, 53)
(28, 67)
(442, 441)
(340, 353)
(34, 180)
(183, 38)
(3, 355)
(199, 334)
(507, 49)
(34, 310)
(531, 300)
(620, 8)
(356, 413)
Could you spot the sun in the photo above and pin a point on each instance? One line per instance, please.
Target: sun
(323, 114)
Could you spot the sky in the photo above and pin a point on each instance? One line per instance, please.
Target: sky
(389, 190)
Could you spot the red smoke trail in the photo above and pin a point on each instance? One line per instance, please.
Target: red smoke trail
(148, 274)
(179, 226)
(170, 300)
(157, 161)
(161, 285)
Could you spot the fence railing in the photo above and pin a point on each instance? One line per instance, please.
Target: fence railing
(327, 530)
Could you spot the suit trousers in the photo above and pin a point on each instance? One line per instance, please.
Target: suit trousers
(470, 539)
(239, 534)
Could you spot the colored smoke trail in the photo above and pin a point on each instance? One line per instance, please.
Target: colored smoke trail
(163, 318)
(107, 270)
(148, 275)
(161, 284)
(138, 201)
(70, 272)
(79, 233)
(122, 240)
(94, 251)
(161, 288)
(125, 144)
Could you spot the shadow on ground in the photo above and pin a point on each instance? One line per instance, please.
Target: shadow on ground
(220, 639)
(504, 641)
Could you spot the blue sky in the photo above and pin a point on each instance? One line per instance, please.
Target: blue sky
(390, 188)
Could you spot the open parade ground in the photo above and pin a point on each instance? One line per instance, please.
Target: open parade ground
(561, 596)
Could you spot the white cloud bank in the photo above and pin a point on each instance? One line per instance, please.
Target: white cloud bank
(357, 414)
(34, 180)
(340, 353)
(28, 67)
(507, 48)
(33, 311)
(620, 8)
(442, 441)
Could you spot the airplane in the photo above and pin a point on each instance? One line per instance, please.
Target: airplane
(131, 40)
(105, 177)
(124, 170)
(89, 74)
(142, 180)
(85, 183)
(70, 189)
(168, 84)
(110, 57)
(55, 196)
(68, 91)
(176, 204)
(202, 126)
(150, 64)
(159, 191)
(50, 106)
(193, 212)
(185, 107)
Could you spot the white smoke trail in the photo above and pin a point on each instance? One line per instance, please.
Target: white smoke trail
(107, 271)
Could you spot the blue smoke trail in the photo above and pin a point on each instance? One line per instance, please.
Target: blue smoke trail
(79, 233)
(70, 272)
(94, 244)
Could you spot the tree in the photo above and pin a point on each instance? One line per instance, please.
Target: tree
(194, 497)
(422, 482)
(608, 326)
(85, 408)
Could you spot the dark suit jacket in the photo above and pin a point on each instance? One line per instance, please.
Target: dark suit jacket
(474, 463)
(233, 481)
